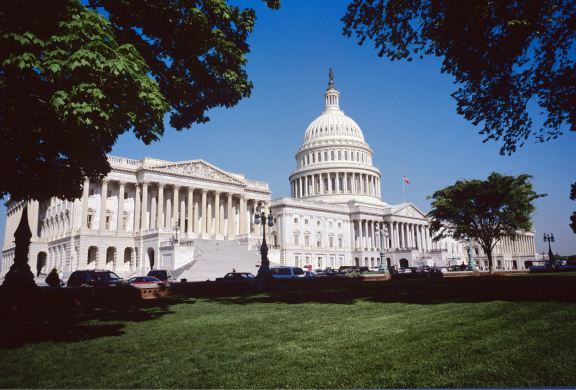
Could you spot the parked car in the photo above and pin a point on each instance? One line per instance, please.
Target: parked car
(363, 269)
(350, 270)
(96, 278)
(373, 269)
(162, 274)
(139, 280)
(307, 267)
(404, 270)
(415, 270)
(237, 276)
(287, 272)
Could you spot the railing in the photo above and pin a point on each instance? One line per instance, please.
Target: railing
(438, 250)
(172, 243)
(199, 253)
(123, 161)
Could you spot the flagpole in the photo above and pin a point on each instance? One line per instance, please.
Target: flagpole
(403, 196)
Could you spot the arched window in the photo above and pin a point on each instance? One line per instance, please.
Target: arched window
(318, 239)
(339, 155)
(332, 153)
(362, 157)
(325, 156)
(319, 157)
(346, 156)
(333, 184)
(357, 156)
(308, 159)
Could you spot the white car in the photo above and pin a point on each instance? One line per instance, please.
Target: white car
(287, 272)
(373, 269)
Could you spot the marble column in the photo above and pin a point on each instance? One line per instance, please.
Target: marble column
(137, 208)
(103, 200)
(145, 205)
(190, 210)
(230, 231)
(208, 214)
(243, 209)
(120, 221)
(217, 212)
(196, 216)
(175, 205)
(161, 204)
(152, 209)
(204, 214)
(85, 197)
(168, 216)
(182, 212)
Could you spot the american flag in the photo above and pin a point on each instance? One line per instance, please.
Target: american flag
(406, 180)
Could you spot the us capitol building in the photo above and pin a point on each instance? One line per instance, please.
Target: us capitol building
(129, 222)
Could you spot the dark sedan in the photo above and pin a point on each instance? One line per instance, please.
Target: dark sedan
(238, 276)
(139, 280)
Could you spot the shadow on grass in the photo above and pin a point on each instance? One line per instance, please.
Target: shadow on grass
(69, 325)
(517, 288)
(80, 324)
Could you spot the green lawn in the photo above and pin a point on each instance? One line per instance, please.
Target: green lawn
(453, 332)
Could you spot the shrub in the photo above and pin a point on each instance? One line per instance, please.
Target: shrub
(52, 279)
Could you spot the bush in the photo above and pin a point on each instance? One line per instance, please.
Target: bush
(52, 279)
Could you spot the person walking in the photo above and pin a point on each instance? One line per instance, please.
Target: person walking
(62, 278)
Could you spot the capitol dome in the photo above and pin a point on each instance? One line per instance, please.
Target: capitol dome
(334, 163)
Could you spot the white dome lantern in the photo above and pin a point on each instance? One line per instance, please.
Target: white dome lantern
(334, 163)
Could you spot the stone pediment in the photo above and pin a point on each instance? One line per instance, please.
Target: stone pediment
(197, 169)
(410, 211)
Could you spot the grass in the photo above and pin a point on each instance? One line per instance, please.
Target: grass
(455, 332)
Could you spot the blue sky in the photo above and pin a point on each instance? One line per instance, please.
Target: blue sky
(404, 110)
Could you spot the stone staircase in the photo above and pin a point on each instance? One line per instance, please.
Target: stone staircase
(176, 273)
(221, 259)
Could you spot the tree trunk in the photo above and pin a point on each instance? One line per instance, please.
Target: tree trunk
(489, 253)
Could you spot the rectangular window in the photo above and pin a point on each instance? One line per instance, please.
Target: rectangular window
(125, 195)
(91, 191)
(331, 242)
(305, 222)
(332, 155)
(339, 155)
(339, 225)
(333, 184)
(296, 239)
(319, 157)
(295, 220)
(340, 183)
(326, 185)
(325, 156)
(329, 224)
(308, 159)
(339, 242)
(297, 261)
(313, 158)
(307, 241)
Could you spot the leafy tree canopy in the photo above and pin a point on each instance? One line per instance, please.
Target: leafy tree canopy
(504, 53)
(72, 81)
(485, 210)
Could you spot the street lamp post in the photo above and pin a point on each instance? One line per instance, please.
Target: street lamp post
(264, 270)
(176, 228)
(471, 263)
(549, 238)
(383, 266)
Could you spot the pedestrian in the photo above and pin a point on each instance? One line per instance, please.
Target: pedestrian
(463, 267)
(233, 269)
(62, 278)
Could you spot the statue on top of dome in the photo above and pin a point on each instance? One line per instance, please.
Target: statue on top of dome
(331, 83)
